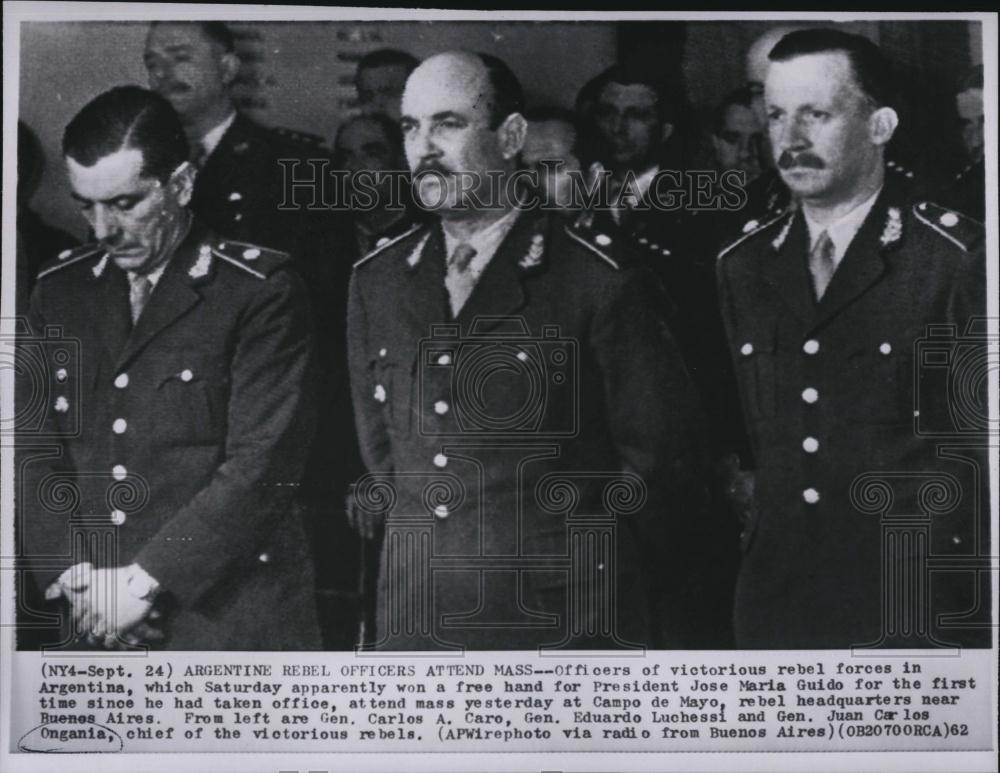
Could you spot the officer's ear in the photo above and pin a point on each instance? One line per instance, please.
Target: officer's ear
(230, 64)
(511, 134)
(668, 129)
(181, 182)
(882, 125)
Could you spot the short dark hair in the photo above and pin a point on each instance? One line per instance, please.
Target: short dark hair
(216, 31)
(741, 97)
(128, 117)
(508, 96)
(633, 76)
(388, 57)
(389, 127)
(872, 70)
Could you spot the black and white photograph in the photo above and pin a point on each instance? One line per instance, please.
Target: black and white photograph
(615, 383)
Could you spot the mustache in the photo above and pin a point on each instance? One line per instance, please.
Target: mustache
(806, 160)
(431, 165)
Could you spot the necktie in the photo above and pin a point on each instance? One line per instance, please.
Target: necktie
(139, 291)
(459, 279)
(821, 264)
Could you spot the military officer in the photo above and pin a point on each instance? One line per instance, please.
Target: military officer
(827, 306)
(506, 371)
(241, 183)
(184, 415)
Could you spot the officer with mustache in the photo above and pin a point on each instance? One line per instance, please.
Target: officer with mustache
(240, 182)
(826, 306)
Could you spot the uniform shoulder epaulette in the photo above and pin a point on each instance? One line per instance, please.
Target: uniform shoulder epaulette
(961, 230)
(296, 137)
(258, 261)
(753, 227)
(67, 258)
(595, 242)
(385, 243)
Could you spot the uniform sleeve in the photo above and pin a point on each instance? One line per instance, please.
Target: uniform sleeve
(43, 532)
(270, 428)
(728, 312)
(373, 436)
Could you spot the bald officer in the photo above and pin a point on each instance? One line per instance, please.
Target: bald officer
(182, 419)
(828, 307)
(511, 381)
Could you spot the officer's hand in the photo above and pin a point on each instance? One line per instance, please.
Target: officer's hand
(738, 488)
(109, 609)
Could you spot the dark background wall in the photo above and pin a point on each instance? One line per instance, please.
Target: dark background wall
(299, 74)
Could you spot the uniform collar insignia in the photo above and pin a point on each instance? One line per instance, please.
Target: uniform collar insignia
(893, 230)
(241, 147)
(783, 234)
(202, 264)
(418, 252)
(101, 265)
(534, 254)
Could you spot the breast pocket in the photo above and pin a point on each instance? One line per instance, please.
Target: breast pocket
(756, 367)
(191, 397)
(393, 389)
(880, 382)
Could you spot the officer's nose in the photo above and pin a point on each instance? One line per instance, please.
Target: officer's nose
(790, 135)
(421, 148)
(104, 225)
(617, 125)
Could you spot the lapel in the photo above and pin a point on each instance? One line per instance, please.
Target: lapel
(173, 296)
(424, 297)
(499, 292)
(788, 269)
(864, 263)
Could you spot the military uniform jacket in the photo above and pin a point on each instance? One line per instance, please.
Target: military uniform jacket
(850, 424)
(179, 442)
(493, 431)
(240, 187)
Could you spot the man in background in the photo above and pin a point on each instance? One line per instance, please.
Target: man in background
(380, 78)
(369, 150)
(551, 149)
(240, 186)
(967, 191)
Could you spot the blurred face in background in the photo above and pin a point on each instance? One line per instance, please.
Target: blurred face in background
(739, 141)
(552, 141)
(189, 69)
(629, 123)
(380, 89)
(970, 116)
(363, 145)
